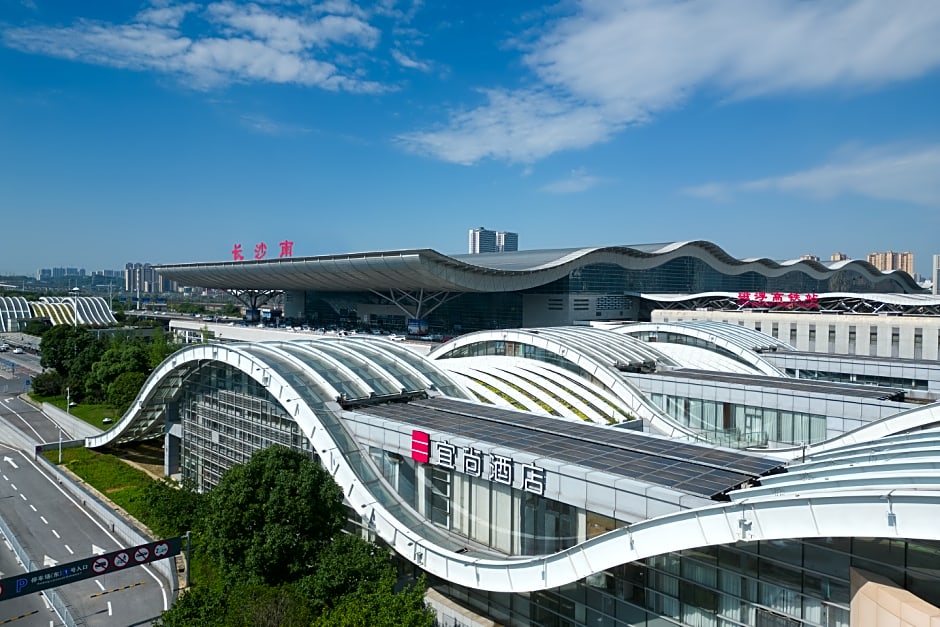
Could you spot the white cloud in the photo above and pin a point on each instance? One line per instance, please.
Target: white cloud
(235, 43)
(521, 126)
(265, 125)
(408, 62)
(577, 181)
(908, 175)
(625, 61)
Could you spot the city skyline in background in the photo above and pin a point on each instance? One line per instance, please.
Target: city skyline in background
(174, 132)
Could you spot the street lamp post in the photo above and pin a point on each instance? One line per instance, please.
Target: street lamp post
(75, 291)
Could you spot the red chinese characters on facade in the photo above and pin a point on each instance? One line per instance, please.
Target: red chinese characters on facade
(778, 299)
(261, 250)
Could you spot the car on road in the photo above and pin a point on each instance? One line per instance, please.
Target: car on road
(17, 351)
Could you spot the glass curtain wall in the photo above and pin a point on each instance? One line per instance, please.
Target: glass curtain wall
(730, 424)
(775, 583)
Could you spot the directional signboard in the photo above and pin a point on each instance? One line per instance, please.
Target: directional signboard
(61, 574)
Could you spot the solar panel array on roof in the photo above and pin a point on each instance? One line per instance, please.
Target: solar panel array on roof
(802, 385)
(701, 470)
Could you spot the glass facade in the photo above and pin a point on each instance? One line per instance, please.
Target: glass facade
(772, 583)
(731, 424)
(690, 275)
(504, 310)
(226, 416)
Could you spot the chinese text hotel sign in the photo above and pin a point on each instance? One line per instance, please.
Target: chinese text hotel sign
(475, 463)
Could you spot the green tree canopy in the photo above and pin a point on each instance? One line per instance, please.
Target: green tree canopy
(62, 344)
(343, 566)
(376, 604)
(122, 356)
(161, 347)
(173, 509)
(124, 389)
(268, 519)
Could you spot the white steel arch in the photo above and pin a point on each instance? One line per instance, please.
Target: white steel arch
(595, 352)
(744, 343)
(797, 510)
(555, 385)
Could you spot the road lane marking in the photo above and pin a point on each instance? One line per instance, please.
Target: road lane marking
(71, 499)
(99, 584)
(109, 609)
(43, 519)
(5, 478)
(13, 485)
(23, 496)
(55, 533)
(32, 507)
(69, 549)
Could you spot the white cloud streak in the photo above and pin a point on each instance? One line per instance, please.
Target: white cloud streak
(577, 181)
(895, 174)
(235, 43)
(614, 63)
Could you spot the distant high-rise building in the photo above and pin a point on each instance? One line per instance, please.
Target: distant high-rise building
(936, 274)
(809, 257)
(482, 240)
(839, 257)
(892, 261)
(507, 242)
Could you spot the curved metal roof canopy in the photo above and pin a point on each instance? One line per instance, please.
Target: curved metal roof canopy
(426, 269)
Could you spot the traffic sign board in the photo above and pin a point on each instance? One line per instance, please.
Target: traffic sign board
(86, 568)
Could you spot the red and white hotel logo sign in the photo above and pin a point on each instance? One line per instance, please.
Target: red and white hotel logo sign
(420, 446)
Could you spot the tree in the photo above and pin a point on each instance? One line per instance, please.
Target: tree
(268, 519)
(376, 604)
(204, 605)
(342, 568)
(37, 327)
(160, 347)
(123, 390)
(173, 509)
(49, 383)
(123, 356)
(62, 344)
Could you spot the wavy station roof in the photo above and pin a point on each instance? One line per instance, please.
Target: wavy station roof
(428, 269)
(889, 487)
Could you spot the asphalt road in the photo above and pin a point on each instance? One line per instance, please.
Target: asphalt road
(26, 611)
(28, 420)
(53, 528)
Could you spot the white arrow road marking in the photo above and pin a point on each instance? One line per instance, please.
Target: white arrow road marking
(10, 461)
(97, 550)
(48, 562)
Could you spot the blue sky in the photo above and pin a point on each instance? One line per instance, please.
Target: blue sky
(168, 132)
